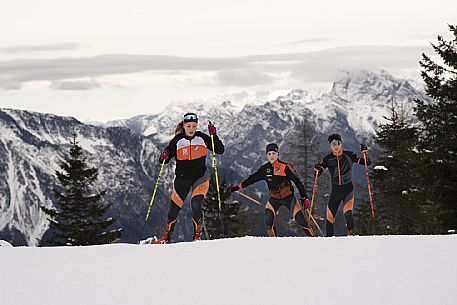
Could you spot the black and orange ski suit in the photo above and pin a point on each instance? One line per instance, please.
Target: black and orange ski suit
(191, 175)
(279, 176)
(340, 168)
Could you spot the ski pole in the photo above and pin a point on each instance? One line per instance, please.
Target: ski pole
(315, 222)
(217, 182)
(215, 172)
(152, 199)
(365, 156)
(312, 196)
(155, 190)
(250, 198)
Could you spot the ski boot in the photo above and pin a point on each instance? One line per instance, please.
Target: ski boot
(166, 238)
(271, 231)
(168, 235)
(198, 227)
(351, 232)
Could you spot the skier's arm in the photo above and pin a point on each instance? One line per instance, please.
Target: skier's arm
(320, 167)
(256, 177)
(324, 163)
(359, 160)
(169, 151)
(292, 175)
(218, 145)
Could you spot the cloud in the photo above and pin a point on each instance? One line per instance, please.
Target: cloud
(325, 66)
(40, 48)
(75, 85)
(243, 78)
(251, 70)
(14, 73)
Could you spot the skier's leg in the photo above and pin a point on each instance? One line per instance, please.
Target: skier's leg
(347, 209)
(297, 214)
(199, 190)
(180, 190)
(270, 212)
(332, 209)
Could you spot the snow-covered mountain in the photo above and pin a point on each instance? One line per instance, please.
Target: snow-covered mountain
(362, 97)
(32, 145)
(126, 151)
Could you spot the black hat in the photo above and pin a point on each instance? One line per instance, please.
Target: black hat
(190, 117)
(272, 147)
(334, 136)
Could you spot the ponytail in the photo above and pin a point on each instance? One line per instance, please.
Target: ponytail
(179, 128)
(188, 117)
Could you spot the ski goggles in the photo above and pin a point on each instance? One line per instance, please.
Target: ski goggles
(335, 143)
(190, 118)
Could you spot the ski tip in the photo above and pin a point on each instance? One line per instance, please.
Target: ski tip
(147, 241)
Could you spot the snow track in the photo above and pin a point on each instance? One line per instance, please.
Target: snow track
(354, 270)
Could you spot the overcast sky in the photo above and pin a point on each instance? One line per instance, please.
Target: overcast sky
(114, 59)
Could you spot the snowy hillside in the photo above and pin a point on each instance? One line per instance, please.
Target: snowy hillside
(269, 271)
(31, 147)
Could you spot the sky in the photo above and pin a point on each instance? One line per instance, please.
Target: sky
(104, 60)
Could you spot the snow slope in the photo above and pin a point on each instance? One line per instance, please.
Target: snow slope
(355, 270)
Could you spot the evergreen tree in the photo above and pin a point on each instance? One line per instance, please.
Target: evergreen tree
(302, 151)
(399, 193)
(439, 121)
(232, 222)
(78, 218)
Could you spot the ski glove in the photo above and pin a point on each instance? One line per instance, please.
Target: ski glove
(363, 148)
(163, 156)
(318, 167)
(305, 202)
(211, 128)
(234, 188)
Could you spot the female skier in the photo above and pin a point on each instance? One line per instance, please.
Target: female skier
(189, 147)
(278, 175)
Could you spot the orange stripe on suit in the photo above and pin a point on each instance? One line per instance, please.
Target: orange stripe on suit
(201, 189)
(348, 206)
(176, 199)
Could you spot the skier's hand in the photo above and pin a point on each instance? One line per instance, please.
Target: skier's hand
(319, 169)
(305, 202)
(163, 156)
(211, 128)
(233, 188)
(363, 148)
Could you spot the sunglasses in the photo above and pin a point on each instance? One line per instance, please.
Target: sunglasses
(190, 117)
(335, 143)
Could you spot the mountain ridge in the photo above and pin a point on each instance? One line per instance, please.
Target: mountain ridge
(126, 151)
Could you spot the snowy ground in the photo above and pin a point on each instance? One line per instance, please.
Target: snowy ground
(353, 270)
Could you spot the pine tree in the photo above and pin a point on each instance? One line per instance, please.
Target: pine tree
(302, 151)
(78, 219)
(399, 194)
(231, 222)
(439, 121)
